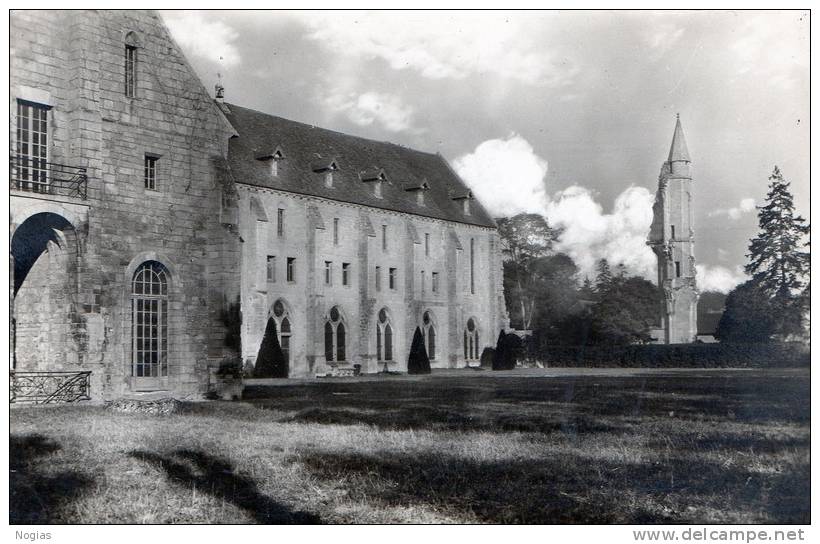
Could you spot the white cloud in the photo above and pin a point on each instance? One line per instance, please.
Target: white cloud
(365, 109)
(718, 278)
(506, 175)
(448, 46)
(774, 46)
(209, 39)
(746, 205)
(590, 234)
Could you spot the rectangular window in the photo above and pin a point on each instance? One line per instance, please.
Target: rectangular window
(677, 269)
(291, 268)
(384, 237)
(345, 273)
(422, 282)
(427, 244)
(335, 231)
(392, 278)
(32, 147)
(673, 232)
(150, 175)
(328, 272)
(271, 268)
(280, 222)
(472, 266)
(130, 71)
(378, 278)
(435, 282)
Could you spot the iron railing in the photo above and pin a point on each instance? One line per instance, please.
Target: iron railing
(38, 176)
(48, 387)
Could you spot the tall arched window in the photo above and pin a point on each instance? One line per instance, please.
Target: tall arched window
(471, 344)
(282, 317)
(384, 337)
(149, 319)
(428, 330)
(335, 336)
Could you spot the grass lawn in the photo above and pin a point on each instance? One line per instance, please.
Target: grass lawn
(467, 446)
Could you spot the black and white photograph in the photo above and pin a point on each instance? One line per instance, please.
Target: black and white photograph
(410, 267)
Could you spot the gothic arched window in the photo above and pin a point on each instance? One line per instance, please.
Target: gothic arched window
(282, 317)
(335, 336)
(471, 345)
(149, 321)
(384, 337)
(428, 330)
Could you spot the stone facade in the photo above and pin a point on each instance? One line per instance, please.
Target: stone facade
(206, 232)
(672, 238)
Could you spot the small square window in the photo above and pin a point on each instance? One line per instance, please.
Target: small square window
(150, 172)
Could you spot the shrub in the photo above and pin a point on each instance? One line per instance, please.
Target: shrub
(487, 357)
(270, 362)
(507, 350)
(230, 367)
(698, 355)
(418, 362)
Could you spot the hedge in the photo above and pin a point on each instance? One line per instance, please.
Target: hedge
(717, 355)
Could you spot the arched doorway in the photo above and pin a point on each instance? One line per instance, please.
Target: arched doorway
(280, 313)
(44, 254)
(149, 326)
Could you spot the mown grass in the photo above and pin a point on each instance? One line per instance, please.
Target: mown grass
(719, 447)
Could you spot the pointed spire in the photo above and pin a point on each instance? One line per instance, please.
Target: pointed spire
(678, 150)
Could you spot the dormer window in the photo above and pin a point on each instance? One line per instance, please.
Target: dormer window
(465, 202)
(376, 176)
(327, 168)
(419, 189)
(273, 157)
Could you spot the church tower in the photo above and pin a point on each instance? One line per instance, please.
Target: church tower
(672, 239)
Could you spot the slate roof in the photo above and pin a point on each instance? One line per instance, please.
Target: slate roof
(305, 146)
(678, 150)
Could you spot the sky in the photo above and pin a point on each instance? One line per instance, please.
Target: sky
(566, 114)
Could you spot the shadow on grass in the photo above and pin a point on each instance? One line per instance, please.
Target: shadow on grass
(217, 477)
(569, 490)
(36, 497)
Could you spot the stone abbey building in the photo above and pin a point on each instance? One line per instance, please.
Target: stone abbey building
(155, 230)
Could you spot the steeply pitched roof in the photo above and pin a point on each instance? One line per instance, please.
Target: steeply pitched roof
(678, 150)
(305, 146)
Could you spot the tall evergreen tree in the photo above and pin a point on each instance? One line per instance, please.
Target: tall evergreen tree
(773, 304)
(777, 262)
(604, 279)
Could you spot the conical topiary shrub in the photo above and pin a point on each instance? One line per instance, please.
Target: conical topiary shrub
(270, 361)
(418, 362)
(505, 354)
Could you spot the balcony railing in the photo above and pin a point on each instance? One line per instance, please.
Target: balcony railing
(48, 387)
(38, 176)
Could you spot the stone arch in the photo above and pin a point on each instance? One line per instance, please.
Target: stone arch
(336, 334)
(385, 335)
(472, 342)
(282, 314)
(44, 328)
